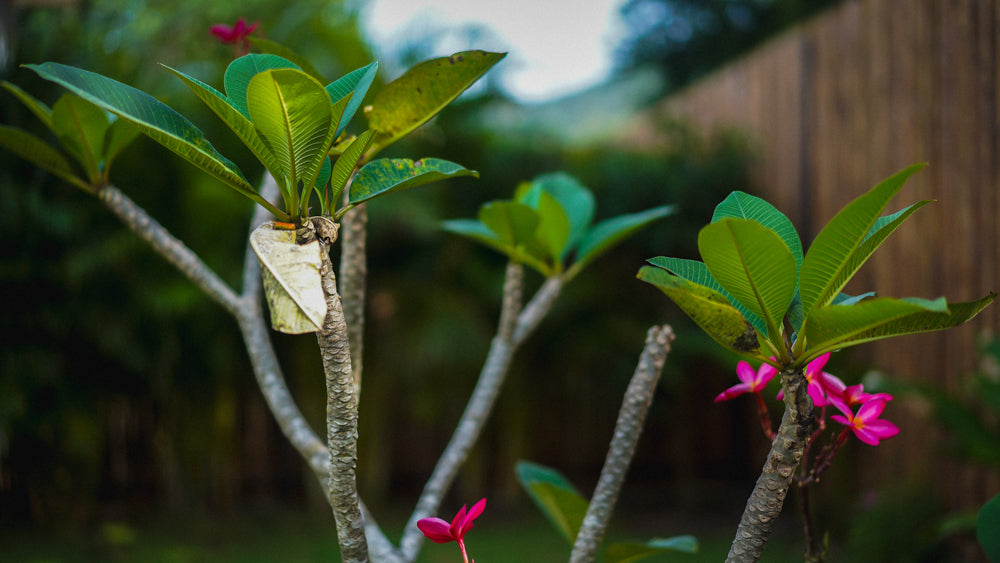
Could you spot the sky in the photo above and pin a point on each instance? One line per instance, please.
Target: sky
(556, 47)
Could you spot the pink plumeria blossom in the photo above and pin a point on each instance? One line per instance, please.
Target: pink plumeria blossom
(440, 531)
(751, 381)
(866, 424)
(233, 34)
(821, 385)
(855, 395)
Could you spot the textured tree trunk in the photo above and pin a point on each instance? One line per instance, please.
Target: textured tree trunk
(341, 423)
(764, 504)
(353, 283)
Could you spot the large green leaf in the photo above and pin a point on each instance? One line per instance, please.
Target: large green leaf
(294, 118)
(356, 84)
(987, 527)
(610, 232)
(553, 228)
(555, 497)
(41, 154)
(419, 94)
(120, 134)
(80, 127)
(239, 123)
(626, 552)
(839, 326)
(241, 71)
(155, 119)
(386, 175)
(697, 272)
(576, 201)
(754, 265)
(346, 163)
(41, 111)
(835, 256)
(740, 205)
(709, 309)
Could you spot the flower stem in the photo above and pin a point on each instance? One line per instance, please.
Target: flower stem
(764, 416)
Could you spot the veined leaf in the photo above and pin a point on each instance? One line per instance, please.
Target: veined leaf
(839, 326)
(80, 127)
(553, 228)
(837, 252)
(610, 232)
(626, 552)
(515, 227)
(709, 309)
(269, 47)
(155, 119)
(741, 205)
(479, 232)
(386, 175)
(554, 496)
(239, 123)
(419, 94)
(754, 265)
(41, 111)
(41, 154)
(294, 118)
(697, 272)
(576, 201)
(241, 71)
(346, 163)
(356, 84)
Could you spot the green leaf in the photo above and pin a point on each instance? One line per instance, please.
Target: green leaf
(80, 127)
(697, 272)
(41, 111)
(610, 232)
(155, 119)
(987, 524)
(346, 163)
(754, 265)
(119, 135)
(294, 118)
(837, 252)
(387, 175)
(269, 47)
(626, 552)
(709, 309)
(239, 123)
(576, 201)
(419, 94)
(740, 205)
(839, 326)
(553, 228)
(356, 84)
(515, 227)
(241, 71)
(41, 154)
(554, 496)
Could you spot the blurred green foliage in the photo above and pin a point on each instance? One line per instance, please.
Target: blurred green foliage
(124, 390)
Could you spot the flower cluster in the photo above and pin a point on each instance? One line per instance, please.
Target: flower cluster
(235, 35)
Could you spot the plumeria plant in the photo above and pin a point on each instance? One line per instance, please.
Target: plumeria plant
(320, 174)
(757, 294)
(441, 531)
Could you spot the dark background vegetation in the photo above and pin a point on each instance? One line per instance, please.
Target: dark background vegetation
(126, 395)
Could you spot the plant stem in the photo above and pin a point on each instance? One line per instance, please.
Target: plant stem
(635, 405)
(768, 496)
(341, 422)
(353, 280)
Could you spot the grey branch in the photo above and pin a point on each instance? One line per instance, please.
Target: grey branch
(353, 280)
(478, 409)
(768, 496)
(341, 423)
(631, 417)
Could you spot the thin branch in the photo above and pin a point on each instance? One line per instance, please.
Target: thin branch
(631, 417)
(768, 496)
(170, 247)
(477, 411)
(341, 422)
(353, 280)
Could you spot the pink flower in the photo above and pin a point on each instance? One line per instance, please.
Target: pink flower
(440, 531)
(821, 385)
(235, 34)
(751, 382)
(866, 425)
